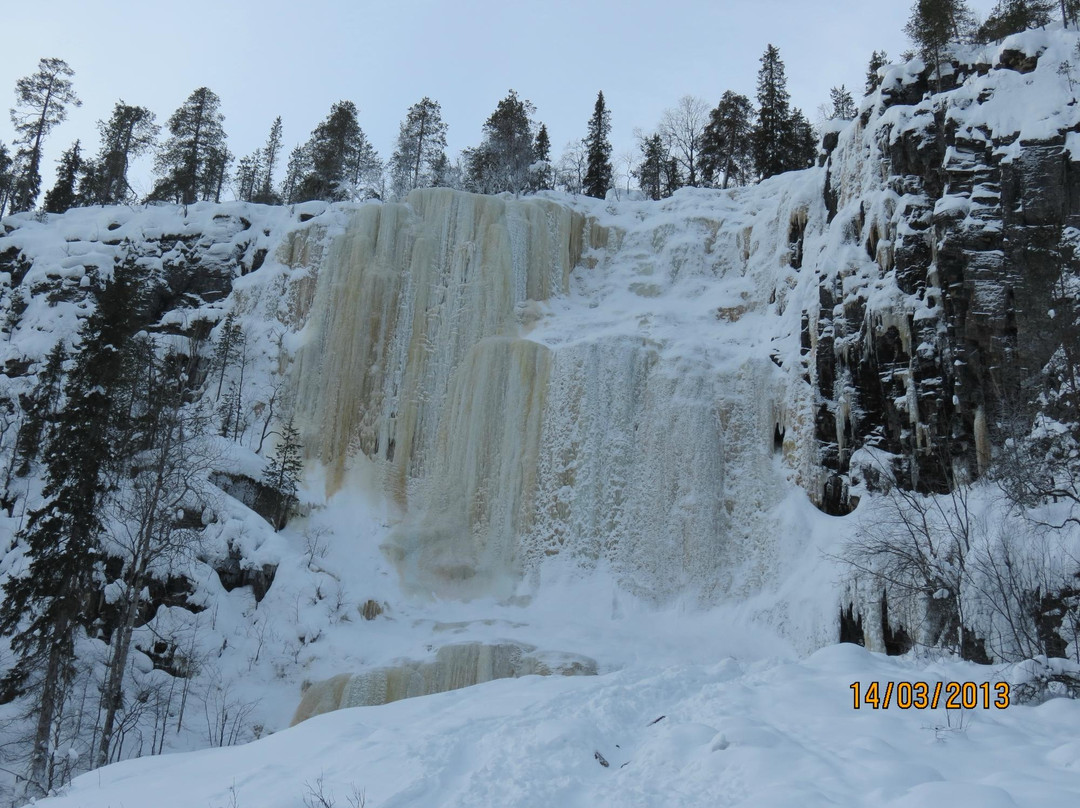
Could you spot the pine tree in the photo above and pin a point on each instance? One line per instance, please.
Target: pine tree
(503, 159)
(650, 171)
(933, 24)
(1013, 16)
(337, 156)
(542, 173)
(282, 473)
(771, 134)
(726, 142)
(41, 103)
(46, 609)
(64, 194)
(878, 60)
(268, 158)
(193, 160)
(843, 105)
(129, 133)
(598, 148)
(421, 148)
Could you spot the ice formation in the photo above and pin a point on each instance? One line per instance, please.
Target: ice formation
(449, 347)
(454, 667)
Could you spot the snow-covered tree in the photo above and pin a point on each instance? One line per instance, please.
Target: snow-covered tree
(193, 161)
(46, 609)
(41, 103)
(421, 148)
(502, 161)
(726, 156)
(282, 472)
(598, 172)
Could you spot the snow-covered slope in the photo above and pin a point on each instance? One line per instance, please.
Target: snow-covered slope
(732, 732)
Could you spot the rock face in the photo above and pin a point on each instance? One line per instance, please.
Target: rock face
(968, 221)
(455, 666)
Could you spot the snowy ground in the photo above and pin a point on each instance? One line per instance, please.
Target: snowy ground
(754, 729)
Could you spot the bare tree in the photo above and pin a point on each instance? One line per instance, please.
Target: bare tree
(682, 128)
(916, 548)
(570, 172)
(147, 536)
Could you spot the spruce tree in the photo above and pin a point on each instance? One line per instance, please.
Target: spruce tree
(41, 407)
(598, 147)
(542, 156)
(800, 142)
(650, 171)
(421, 148)
(64, 194)
(771, 135)
(129, 133)
(282, 473)
(268, 159)
(41, 103)
(878, 60)
(46, 609)
(726, 155)
(843, 105)
(193, 161)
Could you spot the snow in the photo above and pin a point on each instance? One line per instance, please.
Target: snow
(747, 731)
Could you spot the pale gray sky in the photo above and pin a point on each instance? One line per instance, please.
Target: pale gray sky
(271, 57)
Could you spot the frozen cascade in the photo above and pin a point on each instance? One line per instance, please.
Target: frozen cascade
(403, 296)
(514, 445)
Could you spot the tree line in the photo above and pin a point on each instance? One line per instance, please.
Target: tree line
(694, 145)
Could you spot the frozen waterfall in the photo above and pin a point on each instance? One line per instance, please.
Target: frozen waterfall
(538, 391)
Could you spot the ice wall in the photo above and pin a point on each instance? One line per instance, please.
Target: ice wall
(629, 423)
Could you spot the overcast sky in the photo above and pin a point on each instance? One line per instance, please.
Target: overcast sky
(271, 57)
